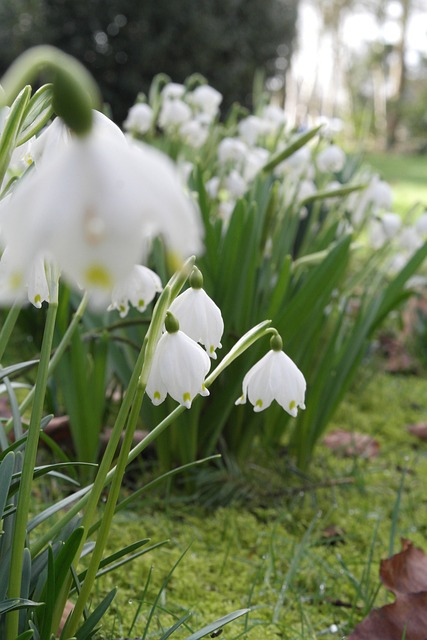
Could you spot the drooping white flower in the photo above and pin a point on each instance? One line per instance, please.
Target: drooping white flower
(174, 113)
(274, 377)
(194, 133)
(330, 159)
(179, 367)
(139, 118)
(206, 99)
(13, 289)
(138, 289)
(235, 184)
(94, 206)
(198, 315)
(251, 129)
(173, 90)
(232, 150)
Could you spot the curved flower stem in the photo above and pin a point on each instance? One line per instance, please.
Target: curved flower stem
(29, 64)
(29, 462)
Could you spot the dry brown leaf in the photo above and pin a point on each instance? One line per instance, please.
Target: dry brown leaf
(405, 618)
(352, 443)
(405, 574)
(419, 430)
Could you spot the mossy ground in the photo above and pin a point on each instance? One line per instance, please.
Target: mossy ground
(273, 553)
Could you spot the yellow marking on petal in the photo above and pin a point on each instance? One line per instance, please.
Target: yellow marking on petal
(292, 405)
(97, 276)
(156, 395)
(258, 403)
(37, 299)
(122, 308)
(16, 280)
(174, 261)
(141, 303)
(211, 349)
(186, 397)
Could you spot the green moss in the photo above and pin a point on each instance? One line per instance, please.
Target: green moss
(276, 556)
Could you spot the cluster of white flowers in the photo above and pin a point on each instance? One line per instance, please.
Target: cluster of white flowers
(185, 114)
(180, 364)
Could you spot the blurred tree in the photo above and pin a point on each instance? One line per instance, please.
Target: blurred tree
(124, 43)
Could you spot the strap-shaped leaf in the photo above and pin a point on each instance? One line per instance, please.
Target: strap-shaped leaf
(12, 604)
(87, 630)
(37, 114)
(6, 473)
(218, 624)
(12, 128)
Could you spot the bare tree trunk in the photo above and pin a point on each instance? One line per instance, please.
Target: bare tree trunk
(394, 107)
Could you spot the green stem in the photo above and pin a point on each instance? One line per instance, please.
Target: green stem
(29, 462)
(136, 396)
(7, 328)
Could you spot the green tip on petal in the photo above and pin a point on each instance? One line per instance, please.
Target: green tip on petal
(186, 399)
(156, 395)
(141, 303)
(37, 299)
(171, 323)
(258, 403)
(292, 405)
(196, 279)
(276, 342)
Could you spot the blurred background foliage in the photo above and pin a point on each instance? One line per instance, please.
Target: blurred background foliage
(125, 43)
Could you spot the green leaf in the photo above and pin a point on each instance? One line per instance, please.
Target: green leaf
(12, 128)
(88, 628)
(6, 473)
(27, 635)
(7, 372)
(39, 111)
(175, 626)
(290, 149)
(218, 624)
(17, 603)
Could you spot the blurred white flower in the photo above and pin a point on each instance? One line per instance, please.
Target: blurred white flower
(179, 369)
(200, 318)
(274, 377)
(235, 184)
(383, 228)
(298, 164)
(173, 114)
(212, 187)
(138, 288)
(139, 118)
(251, 129)
(194, 133)
(206, 99)
(330, 159)
(232, 150)
(255, 159)
(410, 239)
(274, 116)
(173, 90)
(94, 207)
(421, 224)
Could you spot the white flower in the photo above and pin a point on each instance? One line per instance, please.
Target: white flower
(174, 113)
(274, 377)
(205, 98)
(173, 90)
(235, 184)
(12, 289)
(194, 133)
(330, 159)
(200, 318)
(232, 150)
(252, 128)
(139, 118)
(179, 369)
(138, 288)
(94, 207)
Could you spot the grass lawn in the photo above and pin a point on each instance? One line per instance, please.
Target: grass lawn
(303, 553)
(407, 174)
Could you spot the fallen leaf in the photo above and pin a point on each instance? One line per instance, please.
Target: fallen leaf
(405, 572)
(419, 430)
(406, 618)
(352, 443)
